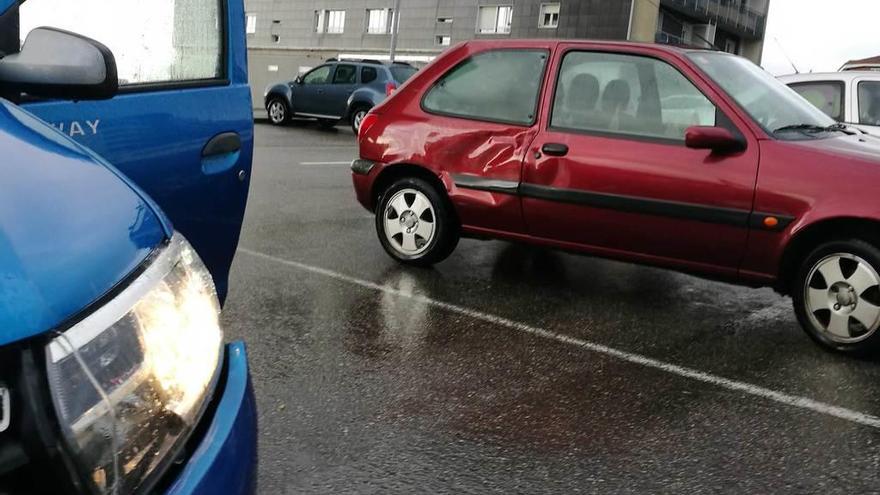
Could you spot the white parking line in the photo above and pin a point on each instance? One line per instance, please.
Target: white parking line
(326, 163)
(734, 385)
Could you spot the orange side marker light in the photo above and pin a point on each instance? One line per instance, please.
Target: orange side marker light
(771, 222)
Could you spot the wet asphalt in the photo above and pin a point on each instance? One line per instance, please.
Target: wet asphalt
(497, 371)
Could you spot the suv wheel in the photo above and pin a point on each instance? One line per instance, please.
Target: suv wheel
(837, 296)
(277, 111)
(415, 223)
(357, 116)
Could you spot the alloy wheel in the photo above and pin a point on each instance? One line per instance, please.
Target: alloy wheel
(409, 222)
(358, 119)
(277, 112)
(842, 298)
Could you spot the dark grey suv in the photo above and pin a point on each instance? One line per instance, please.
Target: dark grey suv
(337, 91)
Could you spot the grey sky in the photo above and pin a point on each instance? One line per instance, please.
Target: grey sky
(820, 35)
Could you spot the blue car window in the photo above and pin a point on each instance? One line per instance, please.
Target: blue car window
(402, 73)
(368, 75)
(160, 41)
(318, 76)
(345, 74)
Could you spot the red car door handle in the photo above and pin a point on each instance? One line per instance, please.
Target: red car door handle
(555, 149)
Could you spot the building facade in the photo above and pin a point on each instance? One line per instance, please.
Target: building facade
(287, 37)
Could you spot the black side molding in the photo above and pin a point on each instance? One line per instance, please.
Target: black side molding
(480, 184)
(630, 204)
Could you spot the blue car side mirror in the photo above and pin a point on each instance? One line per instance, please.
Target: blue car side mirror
(59, 64)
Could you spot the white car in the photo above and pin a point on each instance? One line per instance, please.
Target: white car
(852, 97)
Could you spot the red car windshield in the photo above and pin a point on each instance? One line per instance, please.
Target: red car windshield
(775, 106)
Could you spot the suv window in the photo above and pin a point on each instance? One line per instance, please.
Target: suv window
(500, 85)
(626, 94)
(402, 72)
(824, 95)
(869, 102)
(345, 74)
(368, 75)
(319, 75)
(159, 41)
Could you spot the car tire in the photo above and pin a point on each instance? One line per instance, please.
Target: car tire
(357, 116)
(415, 223)
(278, 111)
(836, 295)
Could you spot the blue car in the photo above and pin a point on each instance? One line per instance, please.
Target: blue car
(337, 91)
(124, 183)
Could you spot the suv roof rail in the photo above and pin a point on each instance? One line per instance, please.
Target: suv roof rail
(356, 60)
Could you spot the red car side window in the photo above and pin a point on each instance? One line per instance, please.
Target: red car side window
(626, 94)
(495, 86)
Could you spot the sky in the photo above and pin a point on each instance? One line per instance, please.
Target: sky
(820, 35)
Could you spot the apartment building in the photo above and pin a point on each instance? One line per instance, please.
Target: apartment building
(287, 37)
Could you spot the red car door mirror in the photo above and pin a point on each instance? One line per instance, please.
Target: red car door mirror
(717, 139)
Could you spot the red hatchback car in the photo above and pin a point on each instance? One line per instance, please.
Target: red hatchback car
(693, 160)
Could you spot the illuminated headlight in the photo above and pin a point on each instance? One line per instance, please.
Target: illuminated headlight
(131, 380)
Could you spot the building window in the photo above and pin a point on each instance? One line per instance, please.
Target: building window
(730, 46)
(443, 40)
(377, 21)
(549, 15)
(251, 24)
(495, 19)
(320, 21)
(276, 25)
(444, 20)
(335, 21)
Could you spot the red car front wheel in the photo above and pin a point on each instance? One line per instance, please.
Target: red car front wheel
(837, 296)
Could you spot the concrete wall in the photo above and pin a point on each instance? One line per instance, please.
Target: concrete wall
(752, 50)
(604, 19)
(643, 25)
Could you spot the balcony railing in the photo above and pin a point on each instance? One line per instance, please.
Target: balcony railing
(729, 14)
(671, 39)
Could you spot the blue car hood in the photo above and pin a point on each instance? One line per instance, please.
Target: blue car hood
(71, 227)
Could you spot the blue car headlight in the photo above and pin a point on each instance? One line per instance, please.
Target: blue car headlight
(132, 379)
